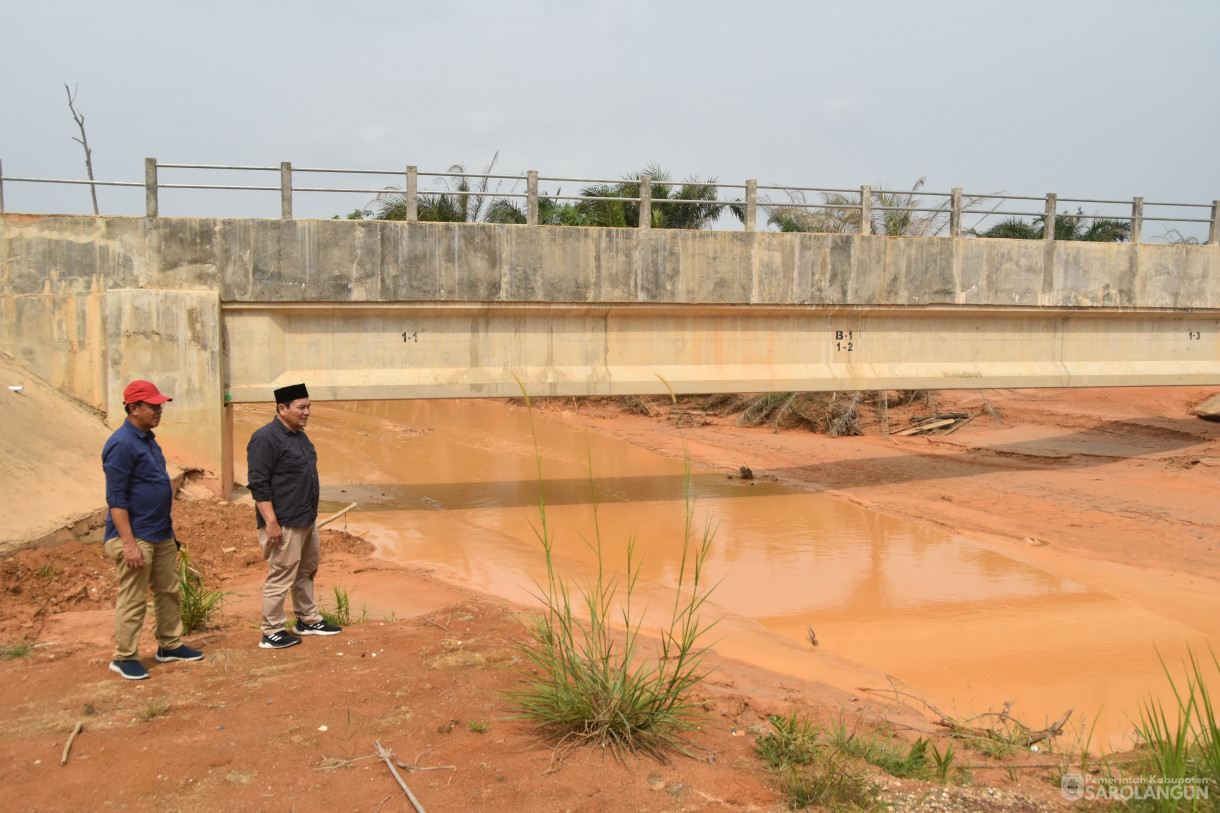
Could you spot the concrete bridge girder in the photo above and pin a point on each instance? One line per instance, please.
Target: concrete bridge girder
(472, 350)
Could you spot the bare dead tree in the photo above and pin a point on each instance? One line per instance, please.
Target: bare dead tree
(83, 141)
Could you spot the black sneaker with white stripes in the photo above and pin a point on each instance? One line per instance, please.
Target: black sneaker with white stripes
(319, 627)
(278, 640)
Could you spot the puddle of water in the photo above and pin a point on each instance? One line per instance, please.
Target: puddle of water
(454, 485)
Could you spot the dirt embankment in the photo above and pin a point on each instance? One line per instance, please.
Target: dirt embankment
(50, 462)
(1121, 479)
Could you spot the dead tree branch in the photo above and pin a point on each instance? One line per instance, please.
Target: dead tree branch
(83, 141)
(386, 754)
(1010, 729)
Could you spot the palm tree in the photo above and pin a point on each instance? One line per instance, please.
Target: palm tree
(666, 213)
(551, 212)
(1067, 227)
(841, 213)
(1014, 228)
(458, 205)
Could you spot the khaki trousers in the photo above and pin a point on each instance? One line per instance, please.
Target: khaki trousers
(291, 567)
(160, 572)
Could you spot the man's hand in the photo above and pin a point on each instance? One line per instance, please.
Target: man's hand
(275, 535)
(132, 556)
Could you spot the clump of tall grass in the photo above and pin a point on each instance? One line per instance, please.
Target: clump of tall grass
(1184, 745)
(198, 604)
(593, 684)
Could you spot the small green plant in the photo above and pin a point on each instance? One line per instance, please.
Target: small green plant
(792, 741)
(153, 709)
(830, 781)
(590, 684)
(198, 603)
(887, 752)
(478, 726)
(914, 763)
(809, 771)
(944, 761)
(996, 748)
(10, 651)
(341, 613)
(47, 572)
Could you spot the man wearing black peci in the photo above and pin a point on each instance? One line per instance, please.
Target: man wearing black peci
(283, 473)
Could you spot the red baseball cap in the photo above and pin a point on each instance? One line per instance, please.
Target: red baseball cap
(145, 391)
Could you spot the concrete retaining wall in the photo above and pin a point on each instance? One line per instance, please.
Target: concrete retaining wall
(88, 303)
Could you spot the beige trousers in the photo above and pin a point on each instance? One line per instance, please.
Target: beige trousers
(291, 567)
(160, 572)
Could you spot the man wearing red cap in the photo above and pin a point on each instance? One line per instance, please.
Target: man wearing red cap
(140, 535)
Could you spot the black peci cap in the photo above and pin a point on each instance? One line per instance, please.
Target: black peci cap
(286, 395)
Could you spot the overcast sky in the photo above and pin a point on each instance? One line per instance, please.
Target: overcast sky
(1086, 99)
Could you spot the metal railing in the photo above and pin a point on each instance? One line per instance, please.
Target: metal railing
(863, 202)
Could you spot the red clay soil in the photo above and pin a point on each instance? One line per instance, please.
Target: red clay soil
(425, 673)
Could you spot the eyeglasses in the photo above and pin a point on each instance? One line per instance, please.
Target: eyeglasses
(153, 407)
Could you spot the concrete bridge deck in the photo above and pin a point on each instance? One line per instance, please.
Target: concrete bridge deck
(222, 311)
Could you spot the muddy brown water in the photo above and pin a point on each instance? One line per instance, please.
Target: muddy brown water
(966, 623)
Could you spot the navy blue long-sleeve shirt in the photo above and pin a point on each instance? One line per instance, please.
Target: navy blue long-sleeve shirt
(282, 466)
(136, 479)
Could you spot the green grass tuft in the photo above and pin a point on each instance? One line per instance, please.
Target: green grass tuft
(589, 683)
(810, 770)
(10, 651)
(153, 709)
(889, 753)
(1183, 743)
(198, 604)
(793, 741)
(339, 614)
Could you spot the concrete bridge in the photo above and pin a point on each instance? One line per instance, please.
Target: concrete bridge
(221, 311)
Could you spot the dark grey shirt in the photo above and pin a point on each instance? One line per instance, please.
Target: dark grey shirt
(283, 470)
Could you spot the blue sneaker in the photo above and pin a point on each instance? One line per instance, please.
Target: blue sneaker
(132, 670)
(178, 653)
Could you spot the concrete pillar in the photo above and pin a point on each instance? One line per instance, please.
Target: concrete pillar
(645, 201)
(751, 204)
(531, 200)
(173, 338)
(286, 190)
(955, 213)
(1137, 219)
(150, 187)
(1048, 224)
(1213, 233)
(866, 209)
(412, 193)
